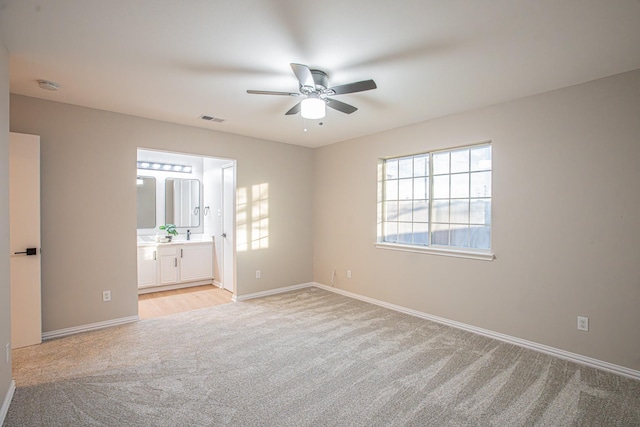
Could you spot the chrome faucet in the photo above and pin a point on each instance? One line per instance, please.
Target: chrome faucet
(188, 234)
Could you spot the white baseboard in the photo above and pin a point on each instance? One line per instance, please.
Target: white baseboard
(90, 327)
(236, 298)
(562, 354)
(7, 401)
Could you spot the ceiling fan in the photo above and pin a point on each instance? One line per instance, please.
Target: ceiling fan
(314, 88)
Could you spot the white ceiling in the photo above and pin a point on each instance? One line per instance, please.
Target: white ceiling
(174, 60)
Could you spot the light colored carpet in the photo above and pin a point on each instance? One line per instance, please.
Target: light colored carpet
(306, 358)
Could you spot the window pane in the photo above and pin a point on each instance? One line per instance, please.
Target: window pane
(440, 211)
(480, 237)
(480, 212)
(405, 210)
(420, 234)
(481, 184)
(421, 166)
(440, 234)
(390, 231)
(405, 167)
(460, 186)
(460, 161)
(441, 187)
(405, 189)
(441, 198)
(391, 169)
(459, 211)
(391, 211)
(481, 158)
(391, 190)
(404, 232)
(420, 188)
(460, 236)
(440, 163)
(421, 211)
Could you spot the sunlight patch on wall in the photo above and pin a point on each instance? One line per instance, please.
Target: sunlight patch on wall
(260, 216)
(242, 237)
(252, 218)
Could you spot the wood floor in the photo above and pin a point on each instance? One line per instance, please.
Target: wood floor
(158, 304)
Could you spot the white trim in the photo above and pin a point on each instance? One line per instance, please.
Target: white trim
(457, 253)
(236, 298)
(7, 401)
(562, 354)
(90, 327)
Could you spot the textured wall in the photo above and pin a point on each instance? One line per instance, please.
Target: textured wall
(566, 203)
(89, 205)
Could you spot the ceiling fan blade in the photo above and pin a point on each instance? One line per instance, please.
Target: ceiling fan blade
(294, 110)
(304, 76)
(353, 87)
(340, 106)
(269, 92)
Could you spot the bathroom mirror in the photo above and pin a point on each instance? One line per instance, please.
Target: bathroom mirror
(182, 202)
(146, 201)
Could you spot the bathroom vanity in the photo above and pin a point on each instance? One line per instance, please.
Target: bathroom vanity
(174, 265)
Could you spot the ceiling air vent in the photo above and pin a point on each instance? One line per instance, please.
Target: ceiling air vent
(211, 118)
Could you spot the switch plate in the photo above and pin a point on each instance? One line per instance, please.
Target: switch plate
(7, 353)
(348, 274)
(583, 323)
(106, 296)
(258, 274)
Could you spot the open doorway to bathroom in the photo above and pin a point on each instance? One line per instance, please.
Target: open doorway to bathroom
(185, 231)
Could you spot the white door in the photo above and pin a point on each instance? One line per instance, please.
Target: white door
(228, 229)
(24, 239)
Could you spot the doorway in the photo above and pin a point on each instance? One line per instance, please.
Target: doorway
(211, 210)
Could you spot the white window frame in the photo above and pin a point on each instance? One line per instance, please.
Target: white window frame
(429, 247)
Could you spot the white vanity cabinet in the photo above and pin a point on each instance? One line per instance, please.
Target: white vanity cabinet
(174, 265)
(147, 266)
(169, 264)
(196, 261)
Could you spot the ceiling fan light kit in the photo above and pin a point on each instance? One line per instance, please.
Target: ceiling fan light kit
(312, 108)
(315, 91)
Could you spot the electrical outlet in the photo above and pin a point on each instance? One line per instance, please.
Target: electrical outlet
(258, 274)
(348, 274)
(106, 296)
(583, 323)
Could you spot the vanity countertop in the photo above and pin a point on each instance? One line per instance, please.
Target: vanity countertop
(151, 240)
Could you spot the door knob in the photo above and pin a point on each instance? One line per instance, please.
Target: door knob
(224, 234)
(29, 251)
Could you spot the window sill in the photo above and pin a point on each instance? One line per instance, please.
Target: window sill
(442, 251)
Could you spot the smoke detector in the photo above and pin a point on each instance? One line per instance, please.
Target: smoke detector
(48, 85)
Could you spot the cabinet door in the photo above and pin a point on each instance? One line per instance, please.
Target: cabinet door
(147, 266)
(196, 262)
(168, 269)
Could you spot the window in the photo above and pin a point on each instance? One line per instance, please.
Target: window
(439, 200)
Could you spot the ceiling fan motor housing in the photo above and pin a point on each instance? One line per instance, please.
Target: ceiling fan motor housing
(321, 79)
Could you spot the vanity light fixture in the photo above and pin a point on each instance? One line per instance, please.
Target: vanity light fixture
(168, 167)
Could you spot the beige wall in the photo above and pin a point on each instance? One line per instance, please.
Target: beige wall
(566, 209)
(89, 205)
(5, 300)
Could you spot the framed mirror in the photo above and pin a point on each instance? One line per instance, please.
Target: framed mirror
(182, 202)
(146, 201)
